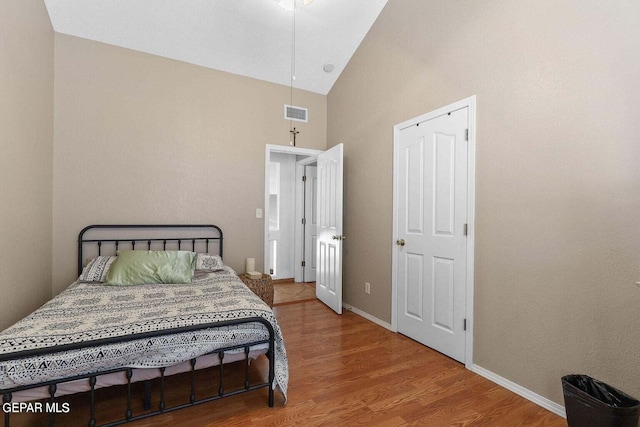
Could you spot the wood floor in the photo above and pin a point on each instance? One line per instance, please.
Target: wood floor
(289, 292)
(347, 371)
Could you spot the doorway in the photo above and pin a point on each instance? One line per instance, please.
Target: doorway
(287, 250)
(433, 229)
(329, 213)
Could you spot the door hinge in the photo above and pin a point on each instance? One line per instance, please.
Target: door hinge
(466, 135)
(304, 221)
(464, 326)
(304, 263)
(304, 178)
(466, 229)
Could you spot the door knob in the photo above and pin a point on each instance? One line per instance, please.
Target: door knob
(400, 242)
(338, 237)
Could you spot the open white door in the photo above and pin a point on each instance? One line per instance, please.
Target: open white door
(306, 220)
(310, 224)
(330, 237)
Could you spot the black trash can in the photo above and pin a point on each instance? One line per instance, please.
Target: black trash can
(590, 402)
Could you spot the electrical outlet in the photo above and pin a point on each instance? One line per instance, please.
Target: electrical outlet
(367, 287)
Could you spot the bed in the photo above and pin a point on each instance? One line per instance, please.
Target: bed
(103, 331)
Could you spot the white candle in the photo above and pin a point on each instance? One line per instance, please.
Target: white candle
(251, 265)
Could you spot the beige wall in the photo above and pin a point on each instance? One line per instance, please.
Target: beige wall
(558, 182)
(143, 139)
(26, 146)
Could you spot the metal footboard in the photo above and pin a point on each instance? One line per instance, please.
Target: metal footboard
(53, 404)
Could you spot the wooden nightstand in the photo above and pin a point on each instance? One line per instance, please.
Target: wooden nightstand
(262, 287)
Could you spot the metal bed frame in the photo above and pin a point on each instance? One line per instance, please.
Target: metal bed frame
(206, 236)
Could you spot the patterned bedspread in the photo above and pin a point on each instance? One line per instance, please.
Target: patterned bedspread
(86, 311)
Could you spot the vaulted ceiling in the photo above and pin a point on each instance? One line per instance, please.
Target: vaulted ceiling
(253, 38)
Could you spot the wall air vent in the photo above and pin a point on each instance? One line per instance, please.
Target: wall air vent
(298, 114)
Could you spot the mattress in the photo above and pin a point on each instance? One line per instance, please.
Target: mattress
(91, 311)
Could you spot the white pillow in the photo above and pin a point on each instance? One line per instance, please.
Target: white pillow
(209, 262)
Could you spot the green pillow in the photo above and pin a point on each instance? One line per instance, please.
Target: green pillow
(147, 267)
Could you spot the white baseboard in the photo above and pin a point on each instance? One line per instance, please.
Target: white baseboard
(367, 316)
(518, 389)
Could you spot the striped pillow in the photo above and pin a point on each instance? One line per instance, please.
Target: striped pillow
(97, 269)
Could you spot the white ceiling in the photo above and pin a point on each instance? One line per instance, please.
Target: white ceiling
(252, 38)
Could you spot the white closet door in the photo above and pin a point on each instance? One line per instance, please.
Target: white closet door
(431, 222)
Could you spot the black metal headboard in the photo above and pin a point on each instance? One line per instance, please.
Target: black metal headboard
(106, 239)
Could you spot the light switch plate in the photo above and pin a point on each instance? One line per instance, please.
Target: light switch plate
(258, 213)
